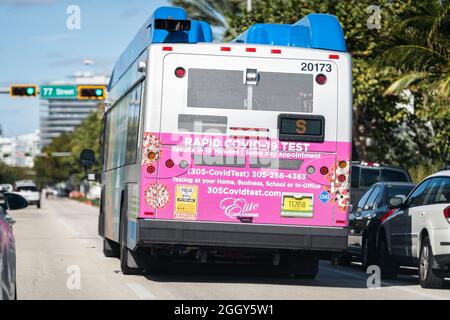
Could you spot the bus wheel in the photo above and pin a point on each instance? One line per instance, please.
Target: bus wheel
(128, 258)
(111, 249)
(300, 265)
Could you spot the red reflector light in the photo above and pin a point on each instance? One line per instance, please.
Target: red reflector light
(170, 163)
(387, 215)
(276, 51)
(250, 49)
(447, 214)
(225, 49)
(334, 56)
(151, 214)
(151, 169)
(340, 221)
(342, 178)
(167, 48)
(180, 72)
(321, 79)
(323, 171)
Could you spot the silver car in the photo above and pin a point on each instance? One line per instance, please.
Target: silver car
(8, 289)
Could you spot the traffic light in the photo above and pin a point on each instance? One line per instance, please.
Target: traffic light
(22, 90)
(91, 92)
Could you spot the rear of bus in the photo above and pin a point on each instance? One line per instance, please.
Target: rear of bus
(246, 146)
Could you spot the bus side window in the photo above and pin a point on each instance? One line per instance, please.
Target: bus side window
(355, 176)
(133, 114)
(105, 140)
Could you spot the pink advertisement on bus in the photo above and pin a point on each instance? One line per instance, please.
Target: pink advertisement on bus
(195, 177)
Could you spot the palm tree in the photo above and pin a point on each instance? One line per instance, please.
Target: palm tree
(419, 49)
(211, 11)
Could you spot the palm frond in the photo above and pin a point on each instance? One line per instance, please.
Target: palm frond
(443, 86)
(411, 57)
(405, 82)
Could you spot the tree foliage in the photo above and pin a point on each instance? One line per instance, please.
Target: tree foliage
(385, 129)
(51, 170)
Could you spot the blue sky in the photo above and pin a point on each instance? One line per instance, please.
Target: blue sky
(36, 46)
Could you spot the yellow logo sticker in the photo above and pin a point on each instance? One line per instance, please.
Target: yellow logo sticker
(186, 198)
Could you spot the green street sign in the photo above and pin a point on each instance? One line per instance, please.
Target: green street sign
(58, 92)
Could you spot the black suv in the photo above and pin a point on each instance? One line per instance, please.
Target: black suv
(365, 174)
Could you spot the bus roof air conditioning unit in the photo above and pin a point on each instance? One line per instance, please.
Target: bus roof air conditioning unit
(316, 31)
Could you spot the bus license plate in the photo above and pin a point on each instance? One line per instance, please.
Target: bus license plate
(297, 206)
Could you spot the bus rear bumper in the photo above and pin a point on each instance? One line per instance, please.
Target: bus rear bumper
(151, 232)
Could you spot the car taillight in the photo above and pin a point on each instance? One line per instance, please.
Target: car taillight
(447, 214)
(387, 215)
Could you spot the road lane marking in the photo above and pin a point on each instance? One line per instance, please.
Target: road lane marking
(69, 228)
(388, 285)
(141, 292)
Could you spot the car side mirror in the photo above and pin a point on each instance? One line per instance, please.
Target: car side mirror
(396, 202)
(350, 208)
(15, 201)
(87, 158)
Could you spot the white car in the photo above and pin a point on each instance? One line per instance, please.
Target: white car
(418, 233)
(30, 192)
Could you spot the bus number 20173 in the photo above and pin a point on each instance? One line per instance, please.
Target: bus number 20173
(316, 67)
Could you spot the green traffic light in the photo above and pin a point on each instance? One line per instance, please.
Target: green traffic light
(30, 91)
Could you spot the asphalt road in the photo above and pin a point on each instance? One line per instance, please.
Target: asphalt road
(59, 242)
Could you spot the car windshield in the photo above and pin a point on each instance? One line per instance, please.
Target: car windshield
(398, 190)
(28, 188)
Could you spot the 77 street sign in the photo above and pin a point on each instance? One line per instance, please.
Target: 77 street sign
(58, 92)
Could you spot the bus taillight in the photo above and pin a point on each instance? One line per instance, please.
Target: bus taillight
(311, 170)
(342, 178)
(184, 164)
(343, 164)
(321, 79)
(170, 164)
(151, 169)
(180, 72)
(324, 171)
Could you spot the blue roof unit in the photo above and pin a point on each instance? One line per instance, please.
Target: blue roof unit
(317, 31)
(165, 25)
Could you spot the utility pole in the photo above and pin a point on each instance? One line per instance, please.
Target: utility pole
(249, 5)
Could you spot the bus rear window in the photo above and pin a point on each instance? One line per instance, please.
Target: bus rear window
(274, 91)
(222, 89)
(285, 92)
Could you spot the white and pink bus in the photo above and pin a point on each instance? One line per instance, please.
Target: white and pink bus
(214, 152)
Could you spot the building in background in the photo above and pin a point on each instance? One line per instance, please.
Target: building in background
(62, 115)
(20, 151)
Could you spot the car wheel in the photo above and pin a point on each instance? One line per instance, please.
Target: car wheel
(389, 269)
(429, 277)
(367, 256)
